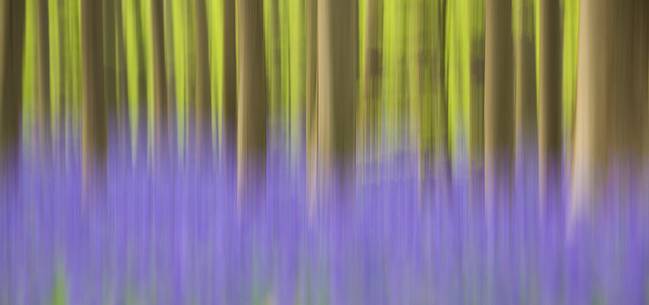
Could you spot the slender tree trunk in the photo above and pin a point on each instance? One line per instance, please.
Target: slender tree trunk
(611, 114)
(252, 99)
(44, 74)
(12, 76)
(337, 88)
(525, 96)
(499, 106)
(94, 138)
(202, 78)
(159, 72)
(372, 65)
(311, 100)
(550, 148)
(230, 77)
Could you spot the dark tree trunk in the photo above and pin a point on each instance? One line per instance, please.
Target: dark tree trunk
(230, 76)
(550, 146)
(94, 136)
(252, 99)
(12, 76)
(499, 106)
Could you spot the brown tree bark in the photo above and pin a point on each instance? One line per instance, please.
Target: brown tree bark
(612, 111)
(499, 106)
(230, 76)
(94, 137)
(202, 80)
(252, 100)
(12, 47)
(550, 144)
(337, 88)
(160, 73)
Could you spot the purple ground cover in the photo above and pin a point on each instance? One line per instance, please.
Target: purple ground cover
(177, 236)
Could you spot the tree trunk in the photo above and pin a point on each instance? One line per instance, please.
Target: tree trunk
(550, 148)
(230, 77)
(611, 114)
(12, 76)
(337, 88)
(499, 106)
(202, 80)
(311, 100)
(94, 136)
(252, 99)
(372, 65)
(159, 73)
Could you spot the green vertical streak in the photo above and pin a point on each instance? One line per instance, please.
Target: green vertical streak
(458, 65)
(55, 67)
(414, 81)
(393, 48)
(132, 71)
(29, 72)
(59, 292)
(147, 33)
(569, 70)
(179, 27)
(297, 72)
(285, 53)
(216, 45)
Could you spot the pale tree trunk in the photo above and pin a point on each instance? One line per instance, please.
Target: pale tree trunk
(337, 90)
(550, 148)
(311, 100)
(13, 26)
(252, 100)
(499, 104)
(612, 110)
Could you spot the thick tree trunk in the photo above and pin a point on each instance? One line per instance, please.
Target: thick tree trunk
(611, 114)
(12, 76)
(499, 106)
(252, 100)
(94, 136)
(337, 88)
(550, 145)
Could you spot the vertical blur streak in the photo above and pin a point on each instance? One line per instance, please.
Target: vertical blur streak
(498, 105)
(94, 114)
(550, 150)
(252, 99)
(11, 77)
(337, 72)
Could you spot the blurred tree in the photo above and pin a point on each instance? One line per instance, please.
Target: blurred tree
(550, 140)
(337, 87)
(612, 109)
(252, 99)
(94, 129)
(11, 51)
(499, 106)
